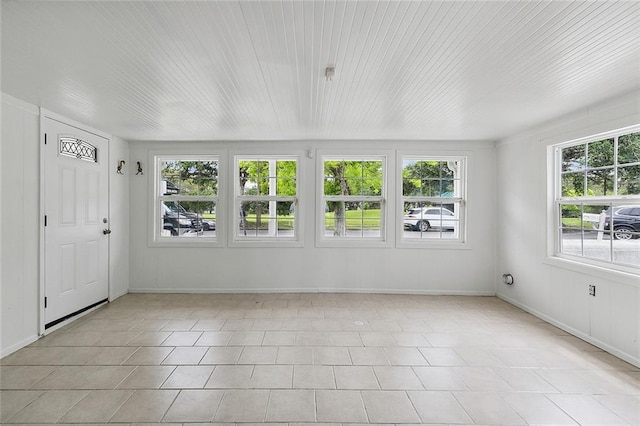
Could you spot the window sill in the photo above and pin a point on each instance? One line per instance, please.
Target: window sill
(433, 244)
(352, 243)
(183, 243)
(622, 274)
(258, 243)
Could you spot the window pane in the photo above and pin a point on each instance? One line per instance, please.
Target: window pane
(626, 233)
(573, 184)
(254, 177)
(426, 220)
(188, 177)
(428, 178)
(572, 216)
(286, 169)
(354, 186)
(261, 168)
(372, 187)
(255, 219)
(571, 229)
(353, 178)
(627, 251)
(629, 180)
(600, 182)
(626, 221)
(408, 168)
(448, 189)
(353, 219)
(445, 171)
(372, 170)
(573, 158)
(431, 188)
(600, 153)
(596, 237)
(629, 148)
(188, 219)
(286, 187)
(267, 219)
(411, 187)
(335, 178)
(286, 214)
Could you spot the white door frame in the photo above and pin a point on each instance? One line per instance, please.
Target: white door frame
(44, 114)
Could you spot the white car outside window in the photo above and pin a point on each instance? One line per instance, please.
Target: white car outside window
(425, 218)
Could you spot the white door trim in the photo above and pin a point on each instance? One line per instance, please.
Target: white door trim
(44, 114)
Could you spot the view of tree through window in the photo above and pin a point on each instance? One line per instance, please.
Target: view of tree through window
(266, 197)
(188, 196)
(353, 198)
(599, 199)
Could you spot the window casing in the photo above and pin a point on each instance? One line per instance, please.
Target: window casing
(186, 199)
(432, 199)
(597, 200)
(266, 199)
(352, 202)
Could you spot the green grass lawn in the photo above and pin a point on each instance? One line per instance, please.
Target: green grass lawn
(571, 222)
(354, 220)
(574, 222)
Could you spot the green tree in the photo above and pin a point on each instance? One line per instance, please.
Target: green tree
(256, 179)
(427, 178)
(595, 162)
(193, 178)
(344, 178)
(629, 161)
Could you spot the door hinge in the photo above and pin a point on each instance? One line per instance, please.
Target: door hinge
(45, 220)
(45, 302)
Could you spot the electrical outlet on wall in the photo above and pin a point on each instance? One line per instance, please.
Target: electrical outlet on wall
(592, 290)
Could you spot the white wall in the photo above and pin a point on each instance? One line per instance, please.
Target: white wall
(20, 224)
(553, 289)
(311, 268)
(119, 218)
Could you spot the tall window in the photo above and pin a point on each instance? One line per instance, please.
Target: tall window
(187, 196)
(266, 198)
(598, 199)
(353, 198)
(432, 198)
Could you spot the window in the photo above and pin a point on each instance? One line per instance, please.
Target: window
(353, 191)
(598, 199)
(266, 198)
(432, 198)
(187, 197)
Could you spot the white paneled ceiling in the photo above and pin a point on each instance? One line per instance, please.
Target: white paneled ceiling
(235, 70)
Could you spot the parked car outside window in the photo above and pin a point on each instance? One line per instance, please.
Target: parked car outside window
(176, 218)
(626, 222)
(424, 218)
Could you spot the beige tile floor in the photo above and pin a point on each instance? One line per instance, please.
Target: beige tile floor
(315, 358)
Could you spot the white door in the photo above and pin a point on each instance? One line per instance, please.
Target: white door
(76, 240)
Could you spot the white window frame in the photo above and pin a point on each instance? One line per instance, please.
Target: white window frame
(461, 197)
(555, 153)
(156, 199)
(265, 241)
(382, 241)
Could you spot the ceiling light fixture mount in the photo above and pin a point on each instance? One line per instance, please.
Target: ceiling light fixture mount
(329, 72)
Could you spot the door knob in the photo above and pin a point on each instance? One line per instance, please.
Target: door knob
(106, 231)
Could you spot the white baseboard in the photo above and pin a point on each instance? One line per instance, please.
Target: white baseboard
(577, 333)
(17, 346)
(117, 295)
(313, 290)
